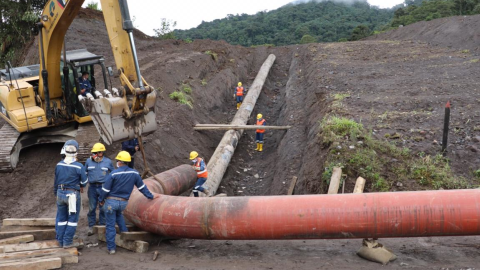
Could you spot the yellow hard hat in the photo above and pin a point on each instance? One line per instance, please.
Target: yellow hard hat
(193, 155)
(239, 84)
(98, 147)
(259, 116)
(124, 156)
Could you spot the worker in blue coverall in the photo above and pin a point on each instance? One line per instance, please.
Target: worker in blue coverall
(115, 194)
(202, 174)
(69, 181)
(85, 85)
(97, 167)
(131, 146)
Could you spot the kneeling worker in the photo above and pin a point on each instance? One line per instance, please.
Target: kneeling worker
(98, 167)
(70, 179)
(115, 194)
(202, 174)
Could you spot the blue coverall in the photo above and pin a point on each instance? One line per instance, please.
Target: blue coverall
(115, 192)
(96, 174)
(68, 180)
(85, 84)
(129, 146)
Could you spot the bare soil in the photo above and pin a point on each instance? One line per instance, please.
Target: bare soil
(395, 86)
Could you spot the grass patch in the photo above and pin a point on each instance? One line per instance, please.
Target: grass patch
(204, 82)
(182, 96)
(465, 51)
(381, 162)
(212, 54)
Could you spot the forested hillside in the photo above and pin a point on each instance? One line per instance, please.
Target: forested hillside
(324, 21)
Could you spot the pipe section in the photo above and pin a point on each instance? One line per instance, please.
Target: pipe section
(223, 154)
(371, 215)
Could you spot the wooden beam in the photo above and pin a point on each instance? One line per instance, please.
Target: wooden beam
(245, 127)
(17, 239)
(135, 246)
(359, 185)
(335, 180)
(38, 264)
(37, 234)
(23, 228)
(142, 236)
(292, 185)
(48, 222)
(37, 253)
(37, 245)
(101, 228)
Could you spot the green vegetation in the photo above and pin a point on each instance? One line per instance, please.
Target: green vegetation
(381, 162)
(204, 82)
(94, 6)
(212, 54)
(314, 21)
(183, 95)
(166, 29)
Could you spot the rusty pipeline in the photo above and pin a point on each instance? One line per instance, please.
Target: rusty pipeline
(369, 215)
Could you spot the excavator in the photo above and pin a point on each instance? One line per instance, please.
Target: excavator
(43, 103)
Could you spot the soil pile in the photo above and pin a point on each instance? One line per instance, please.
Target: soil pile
(397, 88)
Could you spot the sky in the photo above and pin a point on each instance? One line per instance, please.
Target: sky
(190, 13)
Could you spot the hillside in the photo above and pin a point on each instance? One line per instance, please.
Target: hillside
(389, 94)
(325, 21)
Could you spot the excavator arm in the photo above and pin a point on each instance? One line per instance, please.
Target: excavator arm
(121, 114)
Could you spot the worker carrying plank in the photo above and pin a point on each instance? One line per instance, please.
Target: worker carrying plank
(260, 132)
(202, 174)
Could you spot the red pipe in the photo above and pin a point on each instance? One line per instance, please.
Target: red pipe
(369, 215)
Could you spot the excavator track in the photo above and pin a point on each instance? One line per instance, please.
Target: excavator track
(87, 136)
(8, 153)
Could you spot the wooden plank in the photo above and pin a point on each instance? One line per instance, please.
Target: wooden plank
(292, 185)
(135, 246)
(37, 264)
(2, 250)
(48, 222)
(37, 245)
(23, 228)
(37, 234)
(37, 253)
(130, 228)
(142, 236)
(66, 258)
(359, 185)
(227, 127)
(17, 240)
(335, 180)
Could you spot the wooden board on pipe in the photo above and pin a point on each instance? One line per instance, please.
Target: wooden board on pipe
(335, 180)
(359, 185)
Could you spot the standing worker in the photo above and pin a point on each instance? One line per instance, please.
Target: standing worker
(131, 146)
(69, 181)
(202, 174)
(97, 167)
(115, 194)
(239, 91)
(260, 132)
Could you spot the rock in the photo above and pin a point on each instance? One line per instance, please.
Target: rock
(468, 138)
(399, 184)
(472, 148)
(339, 147)
(423, 132)
(435, 142)
(394, 160)
(476, 139)
(256, 176)
(360, 143)
(351, 147)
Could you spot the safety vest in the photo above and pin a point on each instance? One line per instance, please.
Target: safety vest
(201, 174)
(240, 91)
(260, 123)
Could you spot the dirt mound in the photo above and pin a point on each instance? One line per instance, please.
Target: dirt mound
(396, 89)
(459, 32)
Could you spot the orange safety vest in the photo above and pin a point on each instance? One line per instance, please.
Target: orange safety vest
(240, 91)
(260, 123)
(201, 174)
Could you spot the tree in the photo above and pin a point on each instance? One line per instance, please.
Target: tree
(165, 31)
(307, 39)
(359, 32)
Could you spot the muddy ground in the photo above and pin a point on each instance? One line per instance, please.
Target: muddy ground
(394, 86)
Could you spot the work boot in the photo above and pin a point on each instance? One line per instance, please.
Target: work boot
(90, 231)
(258, 146)
(111, 252)
(260, 149)
(72, 245)
(238, 106)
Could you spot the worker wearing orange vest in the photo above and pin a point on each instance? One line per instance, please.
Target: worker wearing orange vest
(239, 91)
(260, 132)
(202, 174)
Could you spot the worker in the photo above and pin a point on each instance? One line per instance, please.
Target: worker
(97, 167)
(202, 174)
(131, 146)
(69, 142)
(239, 91)
(69, 181)
(260, 132)
(85, 85)
(116, 191)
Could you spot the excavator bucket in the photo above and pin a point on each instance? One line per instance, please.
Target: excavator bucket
(108, 115)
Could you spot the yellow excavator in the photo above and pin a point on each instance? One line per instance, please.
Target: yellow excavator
(43, 103)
